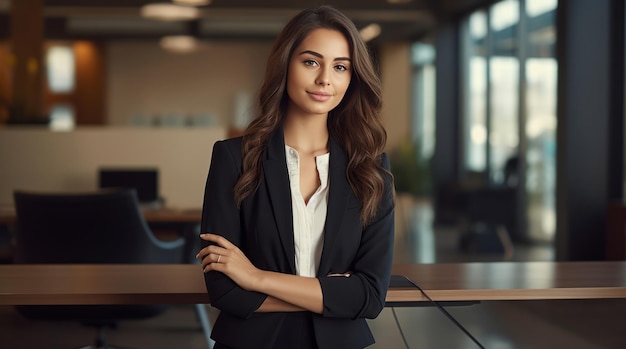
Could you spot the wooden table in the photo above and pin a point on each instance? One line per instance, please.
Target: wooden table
(513, 281)
(184, 284)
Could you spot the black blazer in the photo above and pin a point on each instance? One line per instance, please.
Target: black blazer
(262, 227)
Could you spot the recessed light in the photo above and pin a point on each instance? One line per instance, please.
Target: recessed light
(169, 12)
(370, 32)
(179, 43)
(192, 2)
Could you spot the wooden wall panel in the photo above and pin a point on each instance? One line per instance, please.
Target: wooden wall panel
(90, 83)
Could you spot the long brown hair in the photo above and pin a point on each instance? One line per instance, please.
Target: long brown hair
(354, 123)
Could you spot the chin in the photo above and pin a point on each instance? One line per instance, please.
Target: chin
(323, 111)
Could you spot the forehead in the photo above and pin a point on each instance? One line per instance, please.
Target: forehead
(328, 42)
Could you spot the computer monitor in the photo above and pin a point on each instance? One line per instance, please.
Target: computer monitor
(144, 180)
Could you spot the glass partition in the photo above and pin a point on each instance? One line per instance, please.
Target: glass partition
(475, 125)
(510, 91)
(504, 88)
(423, 60)
(541, 122)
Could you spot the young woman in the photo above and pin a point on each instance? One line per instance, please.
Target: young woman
(298, 213)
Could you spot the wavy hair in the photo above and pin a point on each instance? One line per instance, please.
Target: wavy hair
(355, 123)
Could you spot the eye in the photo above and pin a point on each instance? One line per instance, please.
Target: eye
(341, 67)
(310, 62)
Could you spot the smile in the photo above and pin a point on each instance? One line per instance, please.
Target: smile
(320, 96)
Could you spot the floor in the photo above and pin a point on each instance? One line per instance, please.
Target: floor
(578, 324)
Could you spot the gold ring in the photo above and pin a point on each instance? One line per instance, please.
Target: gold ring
(218, 257)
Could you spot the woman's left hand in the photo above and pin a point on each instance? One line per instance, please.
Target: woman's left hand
(227, 258)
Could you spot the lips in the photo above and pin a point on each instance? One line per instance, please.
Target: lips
(320, 96)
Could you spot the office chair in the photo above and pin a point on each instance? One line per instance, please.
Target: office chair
(491, 214)
(104, 227)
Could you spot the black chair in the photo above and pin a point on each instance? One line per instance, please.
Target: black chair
(105, 227)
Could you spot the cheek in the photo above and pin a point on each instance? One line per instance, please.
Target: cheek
(292, 76)
(342, 87)
(295, 80)
(292, 89)
(292, 86)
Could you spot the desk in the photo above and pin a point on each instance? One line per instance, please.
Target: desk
(513, 281)
(184, 284)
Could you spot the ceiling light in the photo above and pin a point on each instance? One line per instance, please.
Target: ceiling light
(169, 12)
(192, 2)
(370, 32)
(179, 43)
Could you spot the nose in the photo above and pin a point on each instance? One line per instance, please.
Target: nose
(323, 79)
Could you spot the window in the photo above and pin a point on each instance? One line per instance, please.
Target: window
(61, 81)
(504, 88)
(540, 129)
(60, 69)
(475, 135)
(423, 60)
(509, 89)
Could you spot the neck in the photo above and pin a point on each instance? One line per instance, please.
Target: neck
(308, 135)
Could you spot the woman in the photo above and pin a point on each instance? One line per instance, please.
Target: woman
(298, 213)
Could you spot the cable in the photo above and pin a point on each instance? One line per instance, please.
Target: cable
(406, 344)
(445, 312)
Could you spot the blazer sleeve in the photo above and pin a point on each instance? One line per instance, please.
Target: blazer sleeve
(362, 295)
(220, 215)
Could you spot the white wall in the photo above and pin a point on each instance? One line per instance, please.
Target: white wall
(41, 160)
(143, 78)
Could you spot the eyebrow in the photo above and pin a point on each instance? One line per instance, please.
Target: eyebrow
(319, 55)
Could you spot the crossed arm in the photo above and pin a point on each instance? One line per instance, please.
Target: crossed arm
(238, 287)
(286, 292)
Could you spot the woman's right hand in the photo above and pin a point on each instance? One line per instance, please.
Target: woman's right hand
(225, 257)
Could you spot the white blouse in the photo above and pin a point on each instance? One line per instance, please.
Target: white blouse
(309, 218)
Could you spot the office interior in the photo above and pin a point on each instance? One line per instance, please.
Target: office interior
(505, 122)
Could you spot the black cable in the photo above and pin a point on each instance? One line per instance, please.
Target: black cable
(445, 312)
(406, 344)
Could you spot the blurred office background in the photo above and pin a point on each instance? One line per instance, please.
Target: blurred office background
(489, 105)
(505, 118)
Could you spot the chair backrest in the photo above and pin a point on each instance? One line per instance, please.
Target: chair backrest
(101, 227)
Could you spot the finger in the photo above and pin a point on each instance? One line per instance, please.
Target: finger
(210, 249)
(214, 266)
(207, 268)
(214, 249)
(218, 239)
(205, 252)
(205, 260)
(212, 258)
(202, 253)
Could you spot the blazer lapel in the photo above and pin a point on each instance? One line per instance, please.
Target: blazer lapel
(277, 181)
(339, 192)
